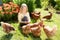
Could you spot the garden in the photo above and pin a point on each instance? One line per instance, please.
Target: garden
(45, 11)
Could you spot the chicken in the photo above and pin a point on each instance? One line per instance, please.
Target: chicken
(35, 29)
(35, 15)
(26, 29)
(46, 9)
(50, 31)
(48, 17)
(41, 23)
(7, 27)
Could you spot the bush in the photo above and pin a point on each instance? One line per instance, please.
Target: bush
(1, 12)
(57, 4)
(6, 1)
(30, 4)
(8, 12)
(0, 16)
(38, 3)
(44, 3)
(48, 3)
(17, 2)
(6, 17)
(52, 3)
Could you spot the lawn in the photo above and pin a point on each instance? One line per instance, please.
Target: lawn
(17, 35)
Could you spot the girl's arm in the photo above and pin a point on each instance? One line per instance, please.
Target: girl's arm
(28, 18)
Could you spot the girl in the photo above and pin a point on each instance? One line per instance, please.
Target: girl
(23, 15)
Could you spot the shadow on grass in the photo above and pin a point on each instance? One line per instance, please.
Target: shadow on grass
(48, 39)
(12, 22)
(20, 30)
(35, 38)
(6, 37)
(33, 20)
(49, 20)
(9, 22)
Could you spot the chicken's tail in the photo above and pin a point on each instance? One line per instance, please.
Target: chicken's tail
(54, 28)
(41, 23)
(12, 29)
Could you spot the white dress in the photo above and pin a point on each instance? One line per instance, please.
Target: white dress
(21, 15)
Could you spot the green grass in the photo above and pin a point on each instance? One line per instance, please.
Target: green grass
(17, 35)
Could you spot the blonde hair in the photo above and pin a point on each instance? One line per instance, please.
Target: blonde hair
(23, 5)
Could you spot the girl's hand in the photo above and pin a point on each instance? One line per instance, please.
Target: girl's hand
(25, 22)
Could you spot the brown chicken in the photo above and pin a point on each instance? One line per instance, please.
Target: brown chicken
(26, 29)
(35, 29)
(35, 15)
(7, 27)
(48, 17)
(50, 31)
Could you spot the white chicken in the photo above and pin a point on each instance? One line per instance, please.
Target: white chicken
(7, 27)
(50, 31)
